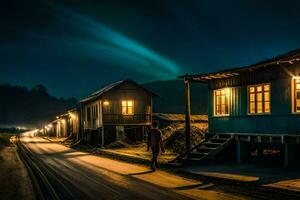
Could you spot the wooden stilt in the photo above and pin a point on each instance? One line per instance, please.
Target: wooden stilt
(98, 136)
(143, 134)
(288, 155)
(102, 137)
(241, 151)
(187, 118)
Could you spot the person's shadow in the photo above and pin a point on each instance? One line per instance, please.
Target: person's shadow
(141, 173)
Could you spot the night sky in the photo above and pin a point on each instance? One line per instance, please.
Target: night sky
(75, 47)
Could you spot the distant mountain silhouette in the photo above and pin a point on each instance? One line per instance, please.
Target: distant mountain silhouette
(31, 107)
(35, 107)
(172, 96)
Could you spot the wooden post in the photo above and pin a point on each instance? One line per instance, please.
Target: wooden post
(81, 125)
(102, 124)
(288, 155)
(143, 134)
(241, 151)
(102, 137)
(98, 136)
(187, 118)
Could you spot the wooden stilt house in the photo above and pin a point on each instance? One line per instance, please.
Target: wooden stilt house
(50, 130)
(61, 126)
(66, 125)
(121, 109)
(253, 105)
(73, 123)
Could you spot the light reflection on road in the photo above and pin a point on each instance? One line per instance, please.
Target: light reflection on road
(97, 177)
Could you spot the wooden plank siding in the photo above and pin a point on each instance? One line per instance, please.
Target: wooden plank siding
(74, 122)
(92, 123)
(281, 120)
(112, 114)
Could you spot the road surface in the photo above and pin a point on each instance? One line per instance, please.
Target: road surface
(79, 175)
(14, 180)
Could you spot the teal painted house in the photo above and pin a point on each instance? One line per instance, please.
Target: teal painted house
(259, 103)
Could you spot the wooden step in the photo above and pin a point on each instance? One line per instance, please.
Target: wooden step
(215, 143)
(197, 154)
(218, 140)
(192, 159)
(223, 136)
(205, 149)
(221, 139)
(212, 144)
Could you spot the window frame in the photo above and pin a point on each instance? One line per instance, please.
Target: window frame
(215, 102)
(127, 106)
(294, 93)
(262, 101)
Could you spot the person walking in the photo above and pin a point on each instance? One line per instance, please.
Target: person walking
(155, 143)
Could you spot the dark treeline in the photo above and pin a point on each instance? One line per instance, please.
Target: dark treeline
(13, 130)
(34, 106)
(172, 96)
(20, 105)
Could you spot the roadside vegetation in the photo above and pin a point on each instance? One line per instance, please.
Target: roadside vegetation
(5, 139)
(174, 136)
(6, 135)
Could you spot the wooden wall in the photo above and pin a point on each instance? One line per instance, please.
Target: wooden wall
(111, 114)
(142, 99)
(94, 122)
(61, 129)
(281, 120)
(73, 122)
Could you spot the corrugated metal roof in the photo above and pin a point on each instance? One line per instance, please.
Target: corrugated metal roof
(101, 91)
(290, 57)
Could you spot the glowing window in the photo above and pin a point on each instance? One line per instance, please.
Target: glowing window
(259, 99)
(296, 95)
(221, 102)
(127, 107)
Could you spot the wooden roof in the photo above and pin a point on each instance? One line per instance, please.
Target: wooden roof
(110, 87)
(290, 58)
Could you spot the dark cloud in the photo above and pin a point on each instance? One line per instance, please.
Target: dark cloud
(40, 42)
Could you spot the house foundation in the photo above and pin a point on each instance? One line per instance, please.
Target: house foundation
(241, 151)
(289, 155)
(289, 145)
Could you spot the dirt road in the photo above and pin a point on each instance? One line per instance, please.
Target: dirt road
(14, 180)
(79, 175)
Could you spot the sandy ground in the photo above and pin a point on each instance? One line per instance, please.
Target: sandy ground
(14, 180)
(275, 177)
(55, 139)
(141, 153)
(117, 176)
